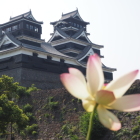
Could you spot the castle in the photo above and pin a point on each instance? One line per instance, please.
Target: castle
(31, 60)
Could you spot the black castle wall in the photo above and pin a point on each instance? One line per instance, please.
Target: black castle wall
(44, 73)
(26, 77)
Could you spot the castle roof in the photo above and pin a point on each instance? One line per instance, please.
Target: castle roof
(73, 15)
(70, 14)
(27, 15)
(45, 47)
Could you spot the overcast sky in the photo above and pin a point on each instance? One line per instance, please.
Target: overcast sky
(115, 24)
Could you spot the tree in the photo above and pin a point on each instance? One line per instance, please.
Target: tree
(11, 113)
(8, 87)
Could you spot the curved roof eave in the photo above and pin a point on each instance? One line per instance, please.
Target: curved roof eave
(84, 52)
(22, 18)
(113, 69)
(62, 34)
(25, 15)
(11, 37)
(78, 33)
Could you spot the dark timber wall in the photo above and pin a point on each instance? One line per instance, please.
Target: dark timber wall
(44, 73)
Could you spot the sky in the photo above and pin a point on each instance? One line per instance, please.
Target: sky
(115, 24)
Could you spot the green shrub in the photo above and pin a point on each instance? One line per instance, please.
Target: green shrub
(30, 116)
(135, 129)
(51, 104)
(50, 99)
(22, 133)
(69, 131)
(31, 128)
(46, 115)
(128, 115)
(34, 133)
(32, 88)
(74, 137)
(74, 109)
(22, 91)
(126, 131)
(66, 129)
(27, 108)
(98, 129)
(60, 137)
(134, 137)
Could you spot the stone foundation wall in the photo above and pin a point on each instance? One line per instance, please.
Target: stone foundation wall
(26, 77)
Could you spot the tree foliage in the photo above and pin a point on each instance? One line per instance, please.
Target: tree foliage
(10, 113)
(8, 87)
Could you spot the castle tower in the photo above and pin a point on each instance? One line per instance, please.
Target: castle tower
(25, 28)
(70, 37)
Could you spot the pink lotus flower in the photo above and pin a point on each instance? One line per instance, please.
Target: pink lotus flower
(92, 92)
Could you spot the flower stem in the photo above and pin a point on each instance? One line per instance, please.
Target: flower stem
(91, 123)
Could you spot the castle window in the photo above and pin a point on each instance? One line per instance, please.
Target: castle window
(78, 25)
(62, 60)
(81, 26)
(8, 29)
(75, 24)
(35, 54)
(27, 26)
(49, 57)
(36, 29)
(31, 27)
(14, 27)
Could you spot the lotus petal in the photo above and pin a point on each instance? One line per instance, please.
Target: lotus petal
(127, 103)
(121, 85)
(104, 97)
(74, 86)
(108, 119)
(78, 74)
(94, 74)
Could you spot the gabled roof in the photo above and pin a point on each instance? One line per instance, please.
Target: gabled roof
(48, 48)
(74, 14)
(27, 15)
(78, 33)
(59, 32)
(70, 14)
(82, 33)
(11, 37)
(84, 52)
(45, 47)
(7, 37)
